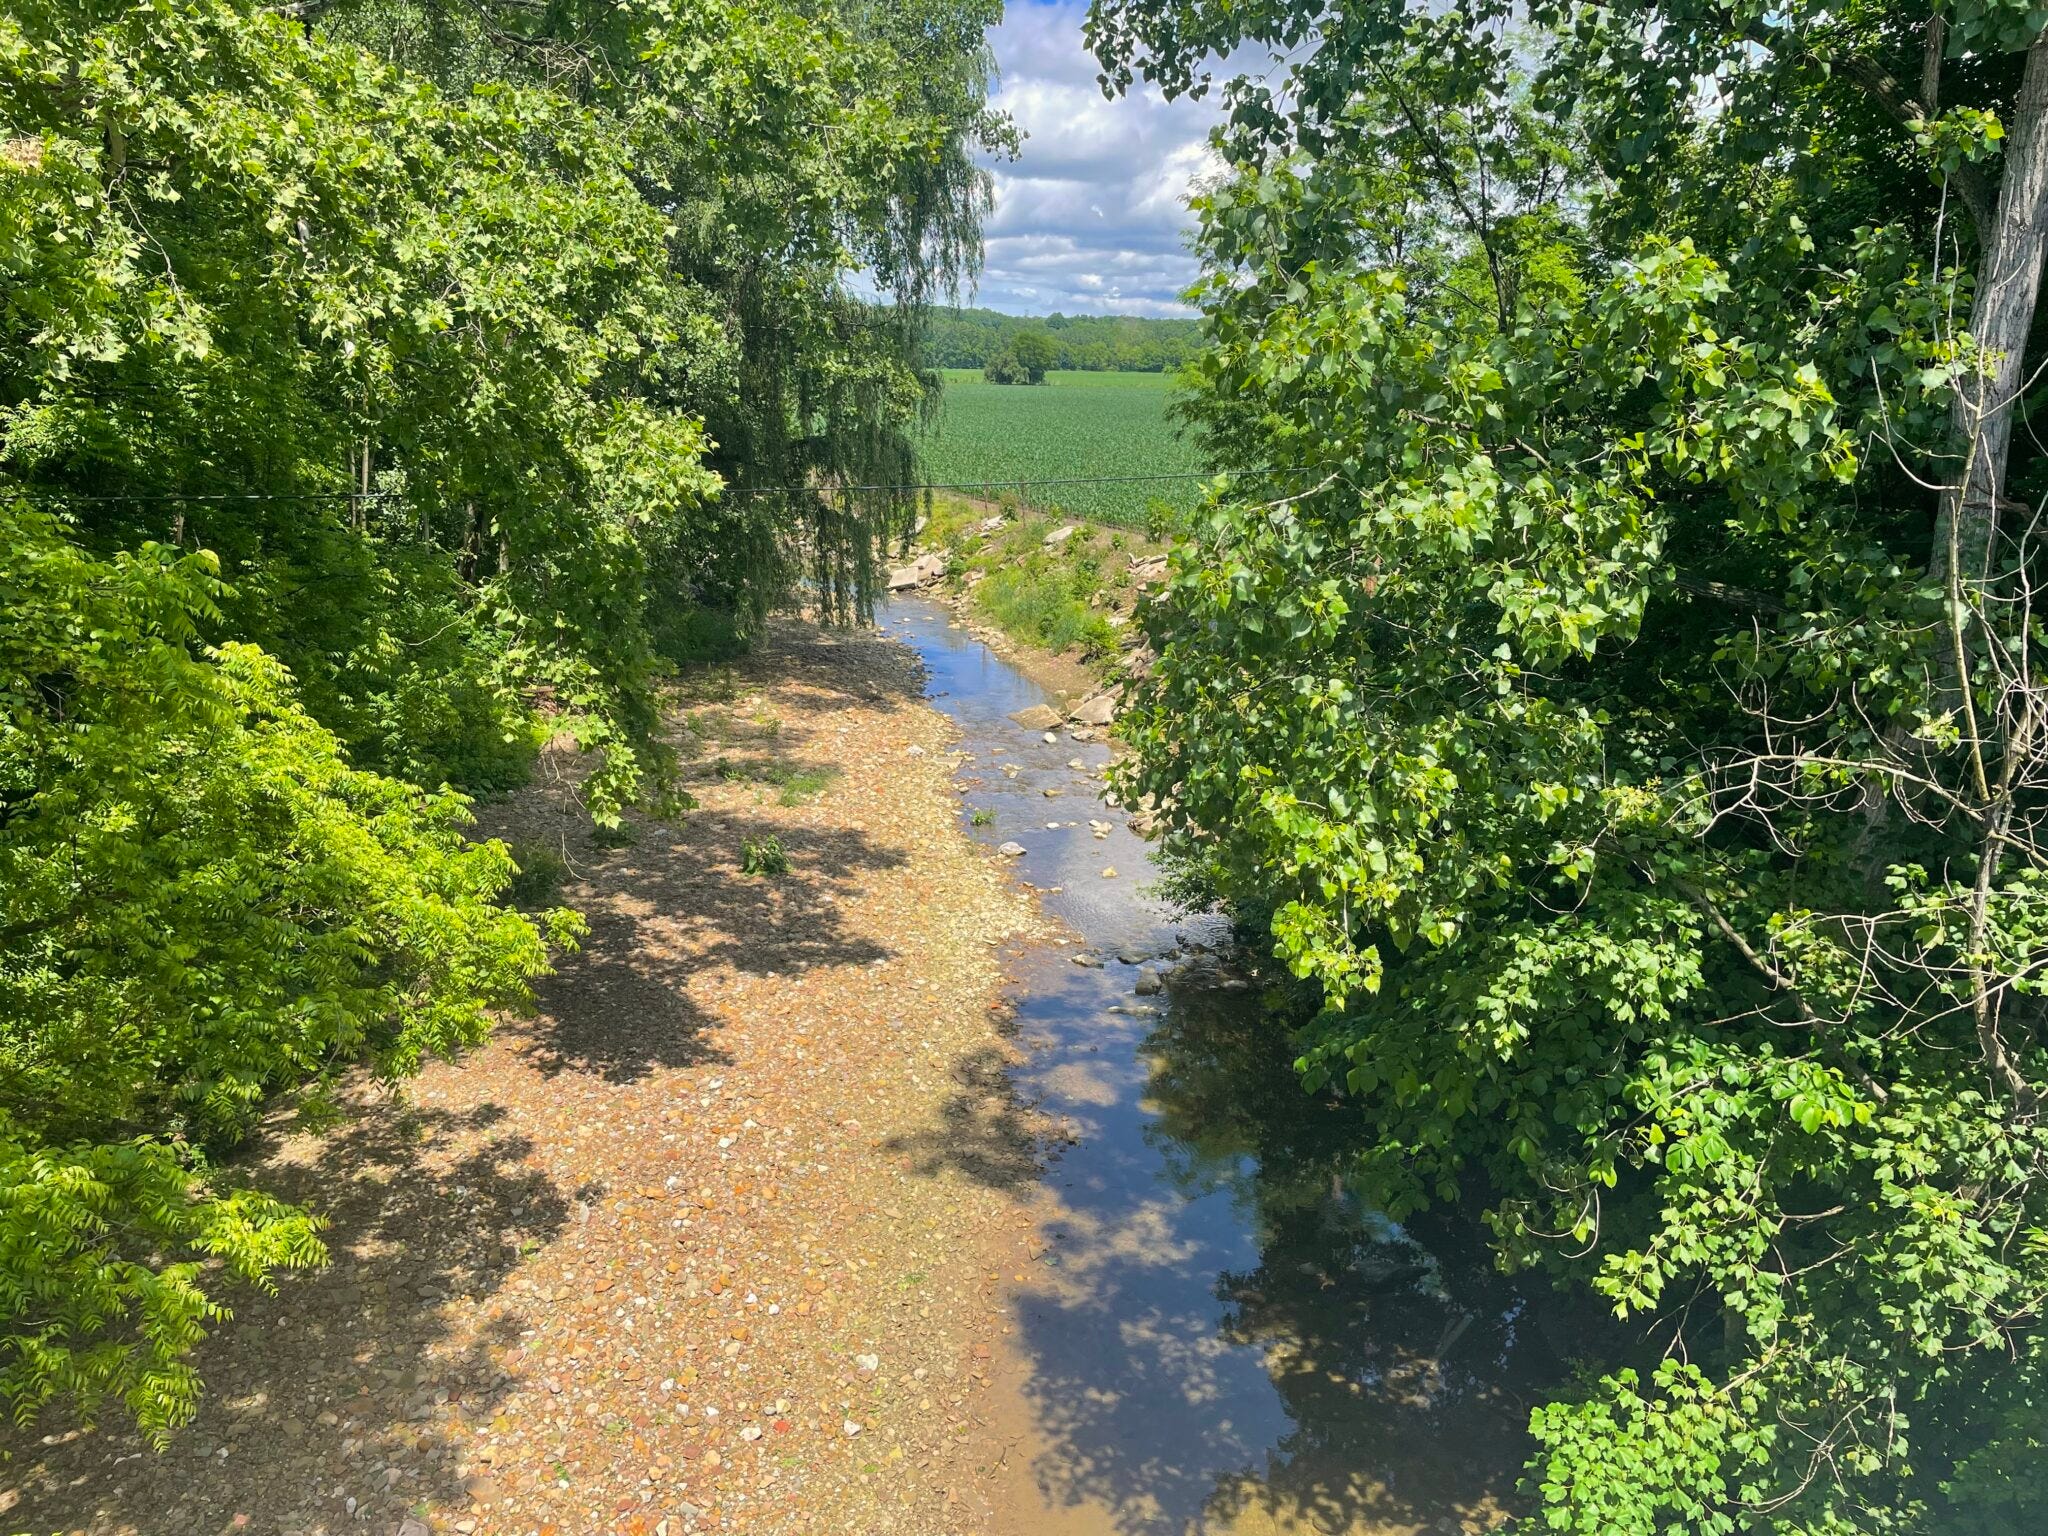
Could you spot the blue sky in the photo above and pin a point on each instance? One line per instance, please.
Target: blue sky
(1092, 216)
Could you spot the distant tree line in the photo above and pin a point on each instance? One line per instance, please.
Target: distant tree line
(978, 338)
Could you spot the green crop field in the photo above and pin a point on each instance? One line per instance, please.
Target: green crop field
(1073, 426)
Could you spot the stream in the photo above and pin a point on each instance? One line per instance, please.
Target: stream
(1218, 1337)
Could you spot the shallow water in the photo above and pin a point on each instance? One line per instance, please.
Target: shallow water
(1218, 1338)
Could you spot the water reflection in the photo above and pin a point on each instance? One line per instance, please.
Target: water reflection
(1219, 1338)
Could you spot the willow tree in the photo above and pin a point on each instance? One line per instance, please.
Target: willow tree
(789, 147)
(1616, 692)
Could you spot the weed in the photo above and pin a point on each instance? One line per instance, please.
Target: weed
(620, 836)
(539, 870)
(982, 816)
(763, 856)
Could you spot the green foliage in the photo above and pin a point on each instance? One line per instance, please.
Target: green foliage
(1650, 806)
(970, 338)
(1079, 425)
(763, 856)
(202, 902)
(687, 635)
(377, 392)
(1057, 599)
(1047, 607)
(981, 816)
(1022, 360)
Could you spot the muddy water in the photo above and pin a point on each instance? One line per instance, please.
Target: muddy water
(1217, 1338)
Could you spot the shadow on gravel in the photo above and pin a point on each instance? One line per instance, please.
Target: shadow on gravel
(675, 904)
(334, 1388)
(981, 1131)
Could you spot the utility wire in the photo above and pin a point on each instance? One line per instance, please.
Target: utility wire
(992, 481)
(989, 483)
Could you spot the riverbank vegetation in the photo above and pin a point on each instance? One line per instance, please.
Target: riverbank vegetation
(384, 388)
(1620, 701)
(1078, 593)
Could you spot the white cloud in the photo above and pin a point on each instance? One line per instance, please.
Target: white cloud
(1092, 217)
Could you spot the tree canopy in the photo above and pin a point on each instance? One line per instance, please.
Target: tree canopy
(1617, 698)
(383, 387)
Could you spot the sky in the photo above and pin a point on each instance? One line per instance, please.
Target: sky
(1091, 217)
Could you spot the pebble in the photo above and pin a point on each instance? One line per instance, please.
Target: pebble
(850, 1428)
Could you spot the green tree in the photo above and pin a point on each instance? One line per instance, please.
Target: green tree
(1618, 696)
(367, 412)
(1035, 351)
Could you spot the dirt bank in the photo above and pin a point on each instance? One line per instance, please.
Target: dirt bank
(715, 1242)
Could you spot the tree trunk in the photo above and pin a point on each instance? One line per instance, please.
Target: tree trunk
(2008, 283)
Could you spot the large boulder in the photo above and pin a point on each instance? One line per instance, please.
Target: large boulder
(1100, 709)
(1060, 535)
(921, 572)
(1039, 717)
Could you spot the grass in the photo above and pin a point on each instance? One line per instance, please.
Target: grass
(1073, 426)
(796, 783)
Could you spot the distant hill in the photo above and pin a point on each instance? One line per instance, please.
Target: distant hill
(968, 338)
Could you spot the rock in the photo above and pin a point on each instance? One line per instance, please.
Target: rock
(1039, 717)
(751, 1433)
(921, 572)
(1098, 710)
(1051, 737)
(1051, 792)
(414, 1528)
(1077, 765)
(1011, 850)
(913, 751)
(1205, 973)
(1148, 572)
(1060, 535)
(990, 525)
(867, 1363)
(1109, 873)
(850, 1428)
(481, 1490)
(1149, 984)
(1092, 961)
(1130, 954)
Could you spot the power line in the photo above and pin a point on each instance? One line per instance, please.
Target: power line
(988, 483)
(991, 482)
